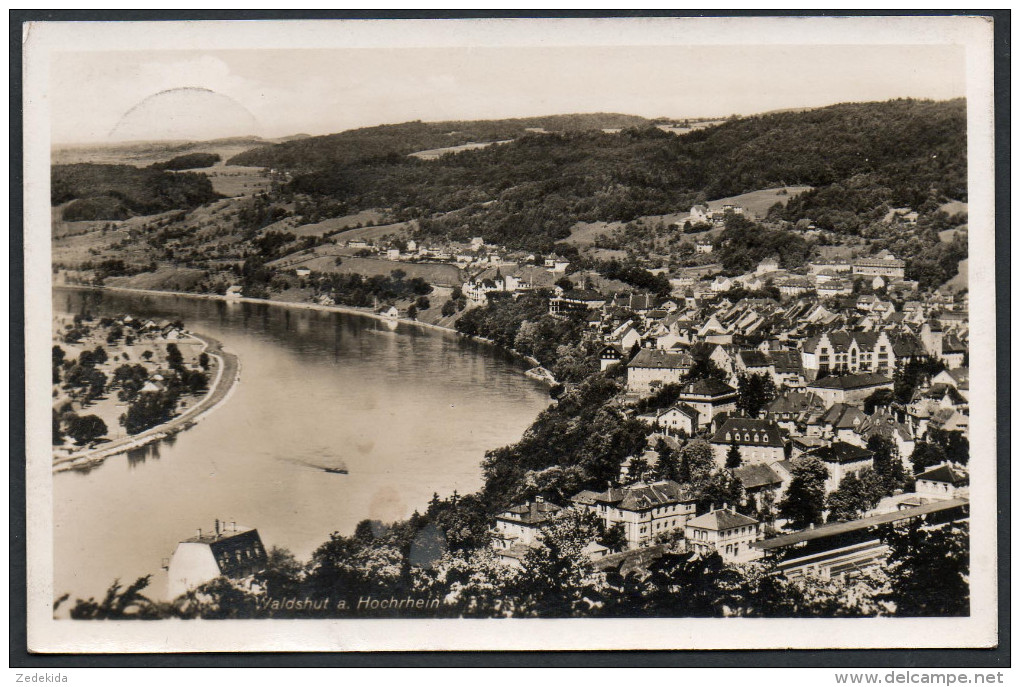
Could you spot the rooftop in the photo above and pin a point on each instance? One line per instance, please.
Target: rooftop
(854, 381)
(723, 519)
(659, 359)
(837, 528)
(749, 431)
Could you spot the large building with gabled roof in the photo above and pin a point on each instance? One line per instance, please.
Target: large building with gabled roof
(759, 441)
(646, 510)
(726, 531)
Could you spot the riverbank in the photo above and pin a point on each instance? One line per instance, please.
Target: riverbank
(228, 373)
(546, 378)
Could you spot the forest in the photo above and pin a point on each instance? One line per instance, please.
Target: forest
(861, 158)
(115, 192)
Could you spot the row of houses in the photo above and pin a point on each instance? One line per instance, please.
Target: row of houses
(649, 513)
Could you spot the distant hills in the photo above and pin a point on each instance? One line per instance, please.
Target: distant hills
(527, 194)
(362, 145)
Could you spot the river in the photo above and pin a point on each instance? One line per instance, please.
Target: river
(409, 411)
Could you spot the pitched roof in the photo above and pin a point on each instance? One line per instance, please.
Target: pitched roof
(854, 381)
(842, 453)
(843, 416)
(947, 473)
(786, 361)
(681, 408)
(659, 359)
(719, 520)
(707, 387)
(235, 551)
(754, 358)
(749, 432)
(757, 475)
(795, 402)
(532, 513)
(639, 496)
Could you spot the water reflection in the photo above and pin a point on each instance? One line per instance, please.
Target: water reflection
(406, 410)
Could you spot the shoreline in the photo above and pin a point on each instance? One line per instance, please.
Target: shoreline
(228, 375)
(347, 309)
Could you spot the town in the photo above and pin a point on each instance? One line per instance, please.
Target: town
(767, 389)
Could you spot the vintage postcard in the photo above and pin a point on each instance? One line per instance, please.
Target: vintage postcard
(510, 334)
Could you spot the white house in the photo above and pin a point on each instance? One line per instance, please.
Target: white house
(679, 419)
(709, 397)
(944, 481)
(227, 551)
(645, 510)
(522, 524)
(652, 368)
(759, 441)
(726, 531)
(842, 459)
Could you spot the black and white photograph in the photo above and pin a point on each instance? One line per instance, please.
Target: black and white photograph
(646, 333)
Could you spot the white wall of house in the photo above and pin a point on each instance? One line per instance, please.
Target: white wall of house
(192, 564)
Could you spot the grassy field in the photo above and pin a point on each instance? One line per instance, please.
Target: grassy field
(329, 226)
(759, 202)
(583, 234)
(436, 153)
(237, 181)
(401, 229)
(163, 279)
(949, 234)
(323, 259)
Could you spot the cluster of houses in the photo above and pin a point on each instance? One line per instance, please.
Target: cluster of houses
(825, 358)
(829, 278)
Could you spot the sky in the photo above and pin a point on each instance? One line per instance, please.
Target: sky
(102, 96)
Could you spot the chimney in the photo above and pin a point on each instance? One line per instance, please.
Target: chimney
(217, 527)
(199, 533)
(233, 525)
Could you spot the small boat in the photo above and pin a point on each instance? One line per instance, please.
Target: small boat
(338, 471)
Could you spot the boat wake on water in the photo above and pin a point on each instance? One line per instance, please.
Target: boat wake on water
(334, 467)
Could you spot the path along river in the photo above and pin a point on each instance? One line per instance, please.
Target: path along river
(408, 411)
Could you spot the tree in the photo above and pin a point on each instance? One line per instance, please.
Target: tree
(805, 497)
(954, 444)
(888, 466)
(696, 462)
(668, 466)
(926, 454)
(412, 313)
(878, 398)
(637, 468)
(929, 569)
(422, 303)
(86, 428)
(203, 360)
(449, 308)
(733, 457)
(173, 355)
(99, 356)
(58, 433)
(856, 495)
(755, 391)
(614, 538)
(721, 488)
(147, 355)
